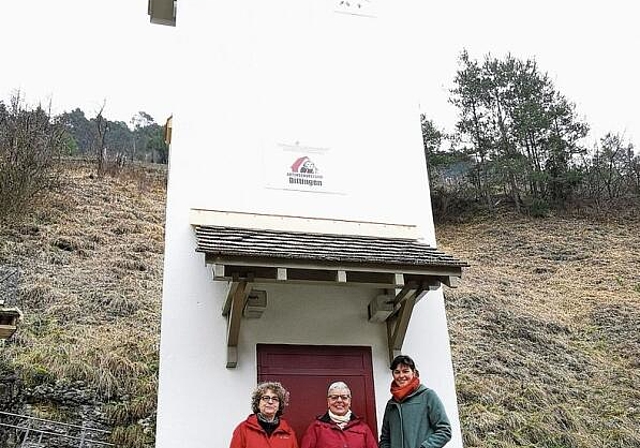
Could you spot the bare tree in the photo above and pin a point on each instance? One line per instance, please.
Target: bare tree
(101, 127)
(31, 145)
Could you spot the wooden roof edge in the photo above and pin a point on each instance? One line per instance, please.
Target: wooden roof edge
(316, 264)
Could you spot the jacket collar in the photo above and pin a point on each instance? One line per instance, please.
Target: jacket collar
(283, 427)
(326, 419)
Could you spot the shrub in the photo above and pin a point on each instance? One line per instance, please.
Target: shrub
(31, 144)
(538, 208)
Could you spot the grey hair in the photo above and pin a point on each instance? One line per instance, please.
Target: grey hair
(277, 389)
(338, 385)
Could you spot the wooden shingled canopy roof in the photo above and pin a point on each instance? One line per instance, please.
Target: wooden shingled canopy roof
(243, 251)
(404, 268)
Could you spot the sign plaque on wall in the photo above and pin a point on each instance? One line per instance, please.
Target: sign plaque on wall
(301, 168)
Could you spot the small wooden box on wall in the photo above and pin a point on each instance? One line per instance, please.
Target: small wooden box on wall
(9, 319)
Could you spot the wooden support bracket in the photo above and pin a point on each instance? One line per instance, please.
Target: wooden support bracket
(398, 323)
(405, 292)
(237, 297)
(232, 287)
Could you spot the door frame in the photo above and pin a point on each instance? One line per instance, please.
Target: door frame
(322, 365)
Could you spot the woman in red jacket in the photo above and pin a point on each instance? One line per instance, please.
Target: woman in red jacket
(339, 427)
(265, 428)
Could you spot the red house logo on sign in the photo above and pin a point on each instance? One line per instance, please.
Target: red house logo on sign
(304, 165)
(305, 172)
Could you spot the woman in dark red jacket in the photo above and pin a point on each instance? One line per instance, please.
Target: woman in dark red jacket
(265, 428)
(339, 427)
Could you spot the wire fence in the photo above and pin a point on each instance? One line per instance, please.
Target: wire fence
(23, 431)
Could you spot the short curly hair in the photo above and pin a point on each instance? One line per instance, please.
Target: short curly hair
(276, 388)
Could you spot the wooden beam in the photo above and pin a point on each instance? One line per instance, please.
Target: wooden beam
(399, 279)
(218, 271)
(397, 326)
(267, 271)
(402, 322)
(232, 287)
(232, 357)
(431, 285)
(162, 12)
(451, 281)
(375, 279)
(235, 313)
(406, 291)
(233, 321)
(392, 352)
(407, 270)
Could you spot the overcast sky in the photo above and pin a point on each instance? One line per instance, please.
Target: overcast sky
(79, 53)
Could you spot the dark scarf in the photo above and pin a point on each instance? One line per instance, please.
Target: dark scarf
(268, 426)
(400, 393)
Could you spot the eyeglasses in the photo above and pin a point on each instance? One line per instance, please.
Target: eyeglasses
(339, 397)
(267, 398)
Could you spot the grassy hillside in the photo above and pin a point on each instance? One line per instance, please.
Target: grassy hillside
(90, 289)
(546, 331)
(545, 326)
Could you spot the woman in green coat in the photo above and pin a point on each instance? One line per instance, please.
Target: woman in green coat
(414, 416)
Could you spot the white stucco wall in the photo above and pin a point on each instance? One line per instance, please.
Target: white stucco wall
(259, 73)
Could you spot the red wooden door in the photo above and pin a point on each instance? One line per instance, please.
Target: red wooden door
(306, 371)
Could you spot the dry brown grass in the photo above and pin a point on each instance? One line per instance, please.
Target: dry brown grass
(91, 265)
(546, 331)
(545, 326)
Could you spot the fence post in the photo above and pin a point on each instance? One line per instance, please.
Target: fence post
(26, 434)
(82, 432)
